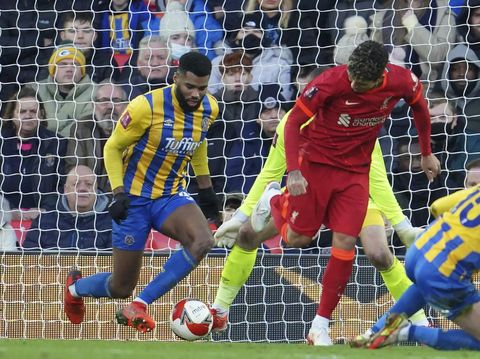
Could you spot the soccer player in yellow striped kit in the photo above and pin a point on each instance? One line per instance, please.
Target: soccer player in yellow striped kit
(441, 264)
(239, 233)
(157, 136)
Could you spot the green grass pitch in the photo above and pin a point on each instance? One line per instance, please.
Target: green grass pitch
(90, 349)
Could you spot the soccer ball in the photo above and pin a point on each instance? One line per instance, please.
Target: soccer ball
(191, 319)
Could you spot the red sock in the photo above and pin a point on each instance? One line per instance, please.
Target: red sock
(335, 280)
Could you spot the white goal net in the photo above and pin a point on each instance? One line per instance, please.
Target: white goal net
(67, 71)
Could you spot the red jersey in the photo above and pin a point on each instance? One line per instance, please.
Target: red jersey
(347, 123)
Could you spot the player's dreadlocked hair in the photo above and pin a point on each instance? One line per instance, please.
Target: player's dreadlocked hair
(195, 63)
(368, 61)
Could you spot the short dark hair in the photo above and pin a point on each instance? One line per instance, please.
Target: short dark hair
(82, 16)
(196, 63)
(368, 60)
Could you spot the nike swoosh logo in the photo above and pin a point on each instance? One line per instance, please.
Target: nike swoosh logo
(348, 103)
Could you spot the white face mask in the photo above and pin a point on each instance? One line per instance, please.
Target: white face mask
(177, 50)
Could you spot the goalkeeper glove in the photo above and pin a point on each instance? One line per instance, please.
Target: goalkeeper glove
(119, 207)
(226, 234)
(208, 203)
(406, 232)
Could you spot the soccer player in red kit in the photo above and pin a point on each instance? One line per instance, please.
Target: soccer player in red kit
(328, 162)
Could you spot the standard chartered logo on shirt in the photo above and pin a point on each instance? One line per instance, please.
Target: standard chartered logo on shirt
(344, 119)
(185, 145)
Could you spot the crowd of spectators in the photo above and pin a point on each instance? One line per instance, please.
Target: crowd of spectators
(69, 68)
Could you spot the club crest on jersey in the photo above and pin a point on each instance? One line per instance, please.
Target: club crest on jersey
(294, 216)
(310, 92)
(205, 123)
(129, 240)
(384, 105)
(125, 120)
(415, 81)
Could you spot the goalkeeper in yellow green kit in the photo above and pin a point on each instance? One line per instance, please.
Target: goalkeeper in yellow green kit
(238, 232)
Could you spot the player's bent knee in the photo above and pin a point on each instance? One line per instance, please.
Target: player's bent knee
(381, 260)
(247, 238)
(201, 245)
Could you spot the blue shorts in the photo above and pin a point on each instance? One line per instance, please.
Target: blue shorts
(449, 296)
(143, 215)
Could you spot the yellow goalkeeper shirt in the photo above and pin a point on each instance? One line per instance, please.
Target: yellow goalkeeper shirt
(153, 142)
(381, 194)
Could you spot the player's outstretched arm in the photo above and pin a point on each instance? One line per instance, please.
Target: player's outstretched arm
(446, 203)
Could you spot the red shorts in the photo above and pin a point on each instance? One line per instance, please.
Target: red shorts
(336, 198)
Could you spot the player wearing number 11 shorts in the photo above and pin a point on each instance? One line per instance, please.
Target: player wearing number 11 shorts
(441, 264)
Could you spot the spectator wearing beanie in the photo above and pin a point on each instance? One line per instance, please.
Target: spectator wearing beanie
(177, 30)
(67, 91)
(355, 33)
(193, 15)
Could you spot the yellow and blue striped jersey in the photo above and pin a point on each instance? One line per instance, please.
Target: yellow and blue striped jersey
(452, 242)
(153, 142)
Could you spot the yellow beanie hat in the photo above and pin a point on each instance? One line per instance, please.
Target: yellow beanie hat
(66, 52)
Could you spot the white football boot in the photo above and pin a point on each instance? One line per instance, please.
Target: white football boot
(319, 337)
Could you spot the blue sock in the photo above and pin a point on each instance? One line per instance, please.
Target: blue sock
(175, 269)
(454, 339)
(409, 303)
(94, 286)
